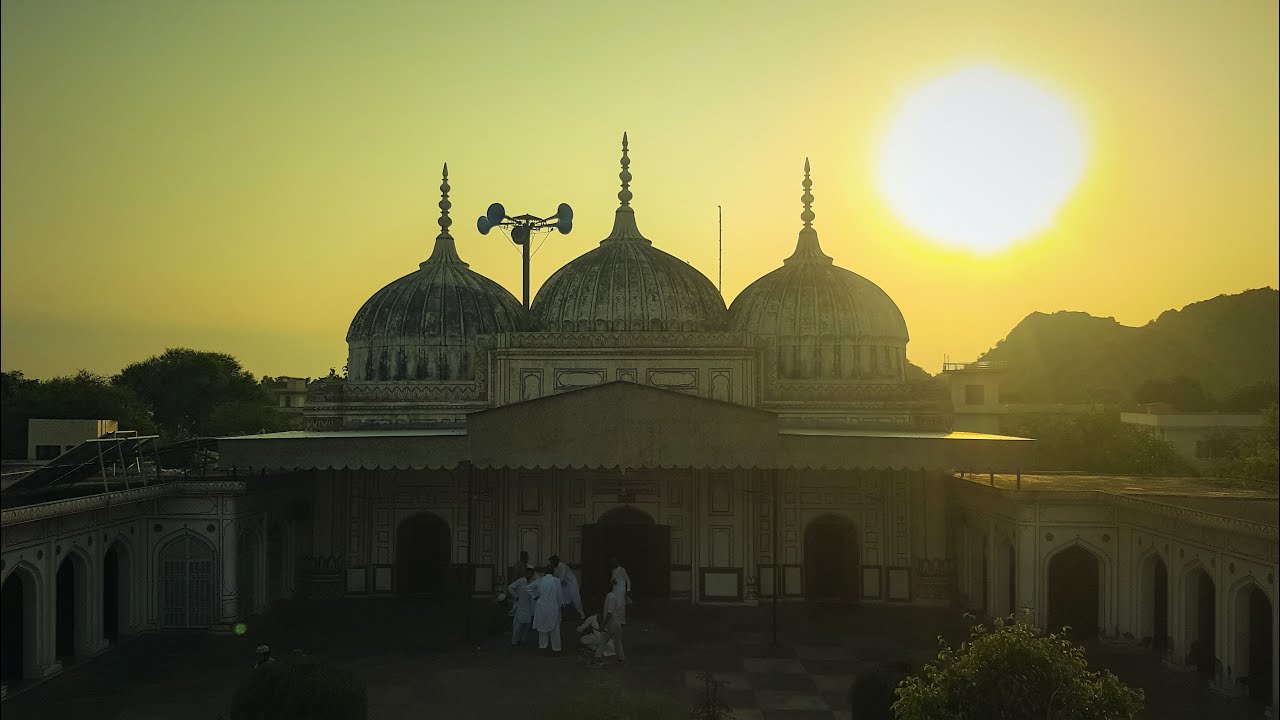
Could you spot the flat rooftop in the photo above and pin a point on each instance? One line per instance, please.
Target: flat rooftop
(1206, 494)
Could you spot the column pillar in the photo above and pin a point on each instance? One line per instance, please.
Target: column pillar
(228, 610)
(933, 572)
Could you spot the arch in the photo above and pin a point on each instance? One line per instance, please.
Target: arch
(1252, 635)
(422, 553)
(187, 573)
(831, 561)
(71, 604)
(20, 600)
(117, 587)
(1074, 593)
(1153, 601)
(626, 515)
(1199, 618)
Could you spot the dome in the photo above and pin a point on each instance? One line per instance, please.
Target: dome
(827, 322)
(628, 284)
(423, 326)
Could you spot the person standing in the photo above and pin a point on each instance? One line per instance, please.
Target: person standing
(517, 570)
(569, 584)
(545, 592)
(522, 607)
(614, 603)
(622, 584)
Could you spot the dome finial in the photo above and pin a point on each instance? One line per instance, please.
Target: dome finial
(624, 218)
(445, 253)
(625, 195)
(807, 247)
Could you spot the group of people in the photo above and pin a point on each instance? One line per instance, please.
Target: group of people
(539, 596)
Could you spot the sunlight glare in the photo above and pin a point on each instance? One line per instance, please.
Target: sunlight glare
(980, 159)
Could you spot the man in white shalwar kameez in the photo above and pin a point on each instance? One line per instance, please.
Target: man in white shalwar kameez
(569, 584)
(612, 629)
(522, 607)
(620, 579)
(545, 592)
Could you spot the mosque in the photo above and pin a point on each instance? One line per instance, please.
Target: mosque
(771, 448)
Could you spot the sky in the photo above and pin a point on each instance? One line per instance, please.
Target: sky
(242, 176)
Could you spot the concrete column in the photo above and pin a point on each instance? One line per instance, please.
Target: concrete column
(228, 610)
(93, 642)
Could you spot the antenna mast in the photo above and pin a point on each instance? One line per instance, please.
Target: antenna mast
(720, 251)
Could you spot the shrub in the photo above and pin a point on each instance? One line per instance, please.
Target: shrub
(301, 687)
(872, 695)
(1015, 670)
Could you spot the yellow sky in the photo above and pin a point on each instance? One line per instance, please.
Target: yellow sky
(242, 176)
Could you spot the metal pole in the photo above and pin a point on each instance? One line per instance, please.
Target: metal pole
(102, 467)
(526, 244)
(777, 555)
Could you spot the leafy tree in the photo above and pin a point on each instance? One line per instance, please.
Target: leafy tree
(80, 396)
(199, 393)
(1252, 456)
(1183, 393)
(1252, 398)
(872, 693)
(1097, 442)
(1014, 670)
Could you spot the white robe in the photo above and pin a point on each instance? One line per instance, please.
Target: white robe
(570, 596)
(620, 577)
(592, 639)
(522, 602)
(545, 592)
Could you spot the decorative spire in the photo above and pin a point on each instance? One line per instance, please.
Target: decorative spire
(445, 253)
(807, 248)
(624, 219)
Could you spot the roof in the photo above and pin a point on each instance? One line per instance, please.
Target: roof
(623, 425)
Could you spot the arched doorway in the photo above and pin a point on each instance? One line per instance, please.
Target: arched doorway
(247, 571)
(71, 621)
(1200, 619)
(1155, 603)
(17, 625)
(831, 560)
(115, 591)
(1253, 627)
(422, 555)
(1074, 584)
(641, 545)
(186, 583)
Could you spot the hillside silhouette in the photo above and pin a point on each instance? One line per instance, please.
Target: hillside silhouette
(1226, 343)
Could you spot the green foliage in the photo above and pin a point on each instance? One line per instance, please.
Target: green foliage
(603, 697)
(1096, 443)
(1251, 398)
(1015, 671)
(81, 396)
(1071, 357)
(1251, 456)
(194, 393)
(300, 687)
(1183, 393)
(872, 694)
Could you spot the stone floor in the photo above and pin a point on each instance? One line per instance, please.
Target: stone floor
(419, 662)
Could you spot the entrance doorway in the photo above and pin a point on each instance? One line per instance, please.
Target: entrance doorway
(17, 625)
(642, 547)
(115, 591)
(1073, 593)
(1201, 619)
(186, 583)
(422, 555)
(831, 561)
(1155, 603)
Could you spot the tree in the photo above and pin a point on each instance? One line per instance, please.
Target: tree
(1014, 670)
(1252, 455)
(1096, 442)
(195, 393)
(1183, 393)
(1252, 398)
(84, 395)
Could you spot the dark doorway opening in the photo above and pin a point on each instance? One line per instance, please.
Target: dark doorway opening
(831, 563)
(1160, 608)
(65, 608)
(111, 595)
(1204, 647)
(13, 608)
(186, 583)
(1073, 593)
(1261, 673)
(422, 555)
(642, 547)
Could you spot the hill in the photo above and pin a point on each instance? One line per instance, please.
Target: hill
(1226, 343)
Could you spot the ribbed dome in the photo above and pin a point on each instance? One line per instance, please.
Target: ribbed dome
(828, 322)
(423, 326)
(628, 284)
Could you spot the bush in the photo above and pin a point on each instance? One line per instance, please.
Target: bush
(301, 687)
(1015, 670)
(872, 695)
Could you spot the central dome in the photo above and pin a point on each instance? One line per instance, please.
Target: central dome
(627, 284)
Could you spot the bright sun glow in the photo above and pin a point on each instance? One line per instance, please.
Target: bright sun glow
(980, 159)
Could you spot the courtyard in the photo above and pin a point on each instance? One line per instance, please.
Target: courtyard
(419, 662)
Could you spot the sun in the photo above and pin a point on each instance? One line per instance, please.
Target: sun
(980, 159)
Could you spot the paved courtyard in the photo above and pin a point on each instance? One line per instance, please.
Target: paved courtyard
(418, 663)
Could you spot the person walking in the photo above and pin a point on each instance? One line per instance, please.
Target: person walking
(545, 592)
(522, 607)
